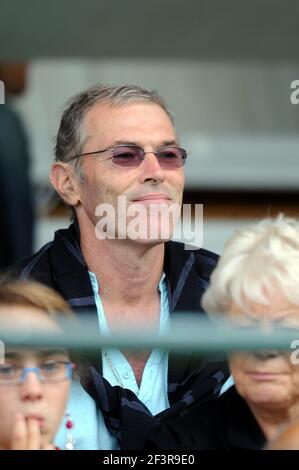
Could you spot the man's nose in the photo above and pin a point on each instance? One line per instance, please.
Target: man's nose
(31, 388)
(151, 169)
(264, 354)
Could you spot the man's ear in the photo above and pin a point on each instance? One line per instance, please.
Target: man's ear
(65, 182)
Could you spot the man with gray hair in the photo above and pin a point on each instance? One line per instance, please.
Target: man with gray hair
(117, 153)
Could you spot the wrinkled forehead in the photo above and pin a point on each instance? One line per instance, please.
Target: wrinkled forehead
(130, 121)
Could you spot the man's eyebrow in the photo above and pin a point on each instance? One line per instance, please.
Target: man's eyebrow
(126, 142)
(164, 143)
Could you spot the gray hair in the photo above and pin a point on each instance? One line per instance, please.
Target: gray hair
(70, 134)
(255, 261)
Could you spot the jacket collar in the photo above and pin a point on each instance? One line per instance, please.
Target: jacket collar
(187, 273)
(71, 273)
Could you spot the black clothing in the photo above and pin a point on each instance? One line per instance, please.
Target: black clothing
(60, 265)
(224, 424)
(16, 211)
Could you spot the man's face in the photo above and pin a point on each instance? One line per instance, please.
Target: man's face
(144, 187)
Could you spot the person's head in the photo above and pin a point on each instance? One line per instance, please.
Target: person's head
(27, 305)
(124, 120)
(256, 282)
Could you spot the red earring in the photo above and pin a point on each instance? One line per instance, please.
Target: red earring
(70, 443)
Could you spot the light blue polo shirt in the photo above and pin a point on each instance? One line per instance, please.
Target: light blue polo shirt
(90, 431)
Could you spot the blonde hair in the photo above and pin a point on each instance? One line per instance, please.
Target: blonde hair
(255, 261)
(33, 294)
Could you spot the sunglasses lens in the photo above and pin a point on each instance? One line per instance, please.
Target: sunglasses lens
(127, 156)
(171, 157)
(131, 156)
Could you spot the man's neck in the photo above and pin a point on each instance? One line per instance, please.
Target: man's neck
(127, 272)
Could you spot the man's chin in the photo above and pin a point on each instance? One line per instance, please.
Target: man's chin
(149, 241)
(145, 237)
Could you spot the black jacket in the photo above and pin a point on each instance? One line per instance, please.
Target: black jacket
(223, 424)
(60, 265)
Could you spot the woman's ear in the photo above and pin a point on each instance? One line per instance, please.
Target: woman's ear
(65, 182)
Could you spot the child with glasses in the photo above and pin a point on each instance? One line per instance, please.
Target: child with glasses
(34, 383)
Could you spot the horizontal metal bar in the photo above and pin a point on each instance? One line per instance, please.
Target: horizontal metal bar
(184, 334)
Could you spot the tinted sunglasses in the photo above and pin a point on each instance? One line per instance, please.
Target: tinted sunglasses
(131, 156)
